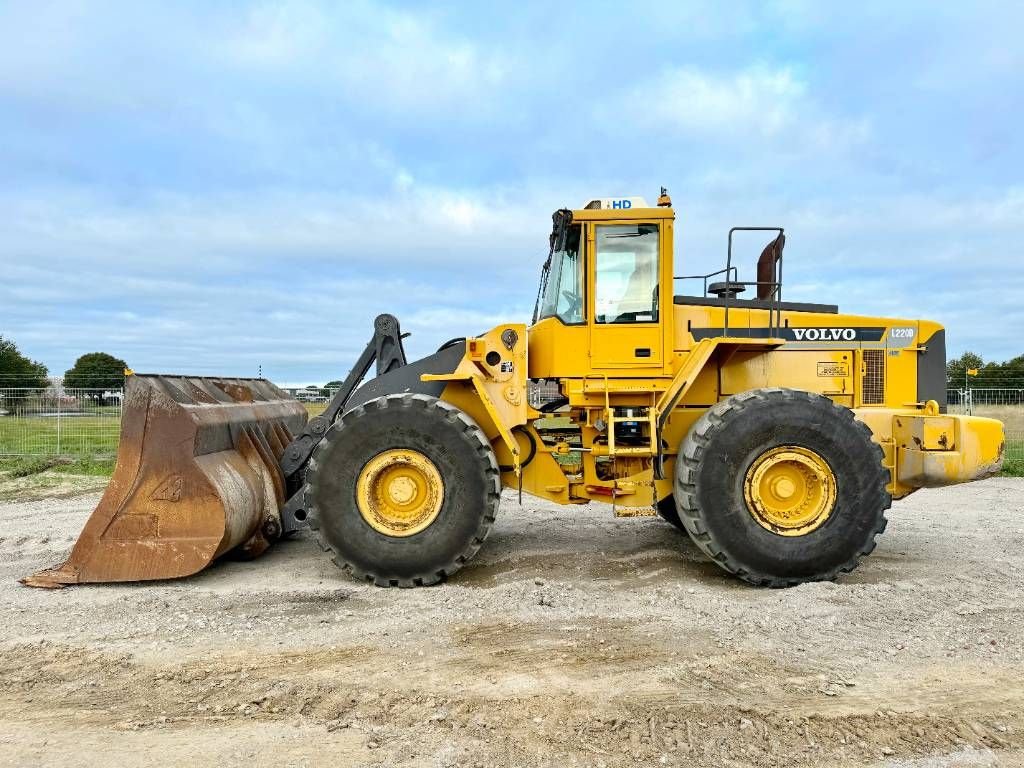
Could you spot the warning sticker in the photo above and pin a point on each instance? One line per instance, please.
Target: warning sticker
(833, 369)
(507, 366)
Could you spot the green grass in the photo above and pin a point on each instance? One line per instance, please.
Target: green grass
(79, 435)
(94, 466)
(26, 466)
(1013, 462)
(315, 409)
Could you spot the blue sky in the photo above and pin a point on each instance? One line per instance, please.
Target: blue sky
(211, 187)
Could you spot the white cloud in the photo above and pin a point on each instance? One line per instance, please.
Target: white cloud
(234, 182)
(280, 34)
(291, 282)
(168, 65)
(393, 59)
(748, 109)
(757, 99)
(419, 225)
(939, 216)
(210, 285)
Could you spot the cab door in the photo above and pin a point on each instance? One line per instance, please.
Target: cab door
(625, 303)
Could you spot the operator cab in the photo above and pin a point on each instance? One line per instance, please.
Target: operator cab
(601, 290)
(627, 275)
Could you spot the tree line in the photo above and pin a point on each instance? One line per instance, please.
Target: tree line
(990, 375)
(94, 370)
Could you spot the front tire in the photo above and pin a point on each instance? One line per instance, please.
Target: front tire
(782, 486)
(403, 490)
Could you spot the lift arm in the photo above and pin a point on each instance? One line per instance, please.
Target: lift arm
(386, 348)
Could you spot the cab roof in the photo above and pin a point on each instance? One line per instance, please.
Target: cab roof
(605, 214)
(603, 208)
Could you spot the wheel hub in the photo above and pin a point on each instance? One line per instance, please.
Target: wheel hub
(790, 490)
(399, 492)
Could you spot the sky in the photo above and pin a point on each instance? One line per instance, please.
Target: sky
(227, 188)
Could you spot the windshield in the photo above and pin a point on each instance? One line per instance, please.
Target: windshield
(561, 291)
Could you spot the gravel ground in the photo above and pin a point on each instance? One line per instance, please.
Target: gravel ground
(574, 638)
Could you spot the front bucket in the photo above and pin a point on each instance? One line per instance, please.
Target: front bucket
(197, 475)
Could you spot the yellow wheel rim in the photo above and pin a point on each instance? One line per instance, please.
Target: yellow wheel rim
(790, 490)
(399, 492)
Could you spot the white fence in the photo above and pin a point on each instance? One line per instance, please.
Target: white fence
(964, 400)
(56, 421)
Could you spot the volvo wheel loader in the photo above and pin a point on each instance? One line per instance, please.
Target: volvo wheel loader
(775, 433)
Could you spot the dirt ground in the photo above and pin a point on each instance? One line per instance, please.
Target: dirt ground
(573, 639)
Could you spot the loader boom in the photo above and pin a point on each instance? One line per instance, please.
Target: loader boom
(384, 348)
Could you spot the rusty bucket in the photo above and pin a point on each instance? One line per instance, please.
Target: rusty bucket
(197, 476)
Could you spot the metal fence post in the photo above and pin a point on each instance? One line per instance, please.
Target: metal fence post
(60, 388)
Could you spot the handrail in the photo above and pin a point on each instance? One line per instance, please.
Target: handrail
(731, 273)
(776, 286)
(708, 276)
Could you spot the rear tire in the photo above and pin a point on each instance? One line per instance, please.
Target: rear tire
(722, 453)
(451, 443)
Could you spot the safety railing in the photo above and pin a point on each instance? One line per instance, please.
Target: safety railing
(964, 400)
(732, 285)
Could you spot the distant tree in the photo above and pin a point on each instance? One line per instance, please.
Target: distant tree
(19, 372)
(332, 385)
(1008, 375)
(96, 370)
(956, 369)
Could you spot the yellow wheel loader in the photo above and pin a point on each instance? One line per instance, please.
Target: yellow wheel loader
(775, 433)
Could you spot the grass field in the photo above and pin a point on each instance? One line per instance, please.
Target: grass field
(26, 466)
(79, 435)
(1013, 464)
(92, 440)
(315, 409)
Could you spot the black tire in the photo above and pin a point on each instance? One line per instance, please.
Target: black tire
(462, 455)
(713, 463)
(668, 512)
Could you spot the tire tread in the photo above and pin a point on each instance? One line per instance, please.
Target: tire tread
(470, 432)
(688, 473)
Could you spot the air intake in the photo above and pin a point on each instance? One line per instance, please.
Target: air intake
(873, 381)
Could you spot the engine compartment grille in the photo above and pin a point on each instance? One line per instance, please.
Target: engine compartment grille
(873, 381)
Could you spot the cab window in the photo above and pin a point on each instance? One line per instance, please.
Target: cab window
(562, 289)
(626, 274)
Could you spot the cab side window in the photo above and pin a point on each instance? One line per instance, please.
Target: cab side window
(626, 274)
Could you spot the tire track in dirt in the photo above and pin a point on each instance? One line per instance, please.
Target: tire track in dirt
(728, 707)
(573, 639)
